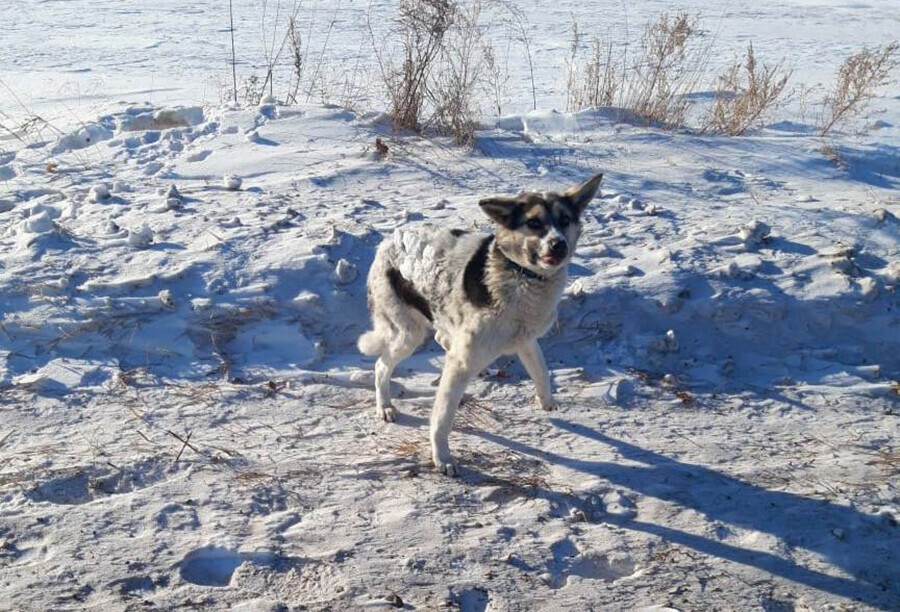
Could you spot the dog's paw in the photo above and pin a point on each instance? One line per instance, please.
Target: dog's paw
(447, 468)
(387, 414)
(547, 404)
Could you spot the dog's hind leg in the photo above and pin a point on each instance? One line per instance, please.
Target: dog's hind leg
(533, 359)
(402, 343)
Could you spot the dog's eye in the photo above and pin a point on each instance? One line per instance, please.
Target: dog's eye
(564, 221)
(534, 224)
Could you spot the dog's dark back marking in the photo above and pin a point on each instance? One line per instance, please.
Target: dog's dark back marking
(408, 294)
(473, 277)
(458, 232)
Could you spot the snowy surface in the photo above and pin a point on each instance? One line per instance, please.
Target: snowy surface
(184, 419)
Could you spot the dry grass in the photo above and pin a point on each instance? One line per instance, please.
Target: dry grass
(858, 78)
(456, 79)
(834, 156)
(289, 69)
(517, 474)
(496, 77)
(476, 415)
(421, 26)
(747, 92)
(297, 54)
(219, 328)
(598, 82)
(442, 58)
(887, 460)
(656, 87)
(409, 448)
(666, 71)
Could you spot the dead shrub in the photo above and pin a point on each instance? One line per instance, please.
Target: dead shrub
(597, 82)
(435, 85)
(746, 93)
(421, 25)
(858, 78)
(456, 77)
(833, 155)
(518, 23)
(297, 54)
(496, 77)
(666, 71)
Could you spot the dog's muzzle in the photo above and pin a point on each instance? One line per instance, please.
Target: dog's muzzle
(558, 249)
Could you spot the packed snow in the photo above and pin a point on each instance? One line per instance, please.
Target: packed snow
(186, 421)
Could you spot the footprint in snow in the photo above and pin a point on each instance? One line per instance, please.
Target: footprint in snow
(215, 566)
(199, 156)
(729, 182)
(474, 600)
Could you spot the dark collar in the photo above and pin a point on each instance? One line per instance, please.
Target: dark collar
(511, 265)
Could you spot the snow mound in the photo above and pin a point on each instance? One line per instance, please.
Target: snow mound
(38, 223)
(99, 192)
(61, 376)
(162, 119)
(85, 136)
(231, 182)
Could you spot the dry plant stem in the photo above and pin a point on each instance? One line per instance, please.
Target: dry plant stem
(315, 76)
(661, 77)
(297, 59)
(452, 92)
(858, 78)
(233, 57)
(746, 93)
(521, 22)
(571, 69)
(495, 76)
(597, 83)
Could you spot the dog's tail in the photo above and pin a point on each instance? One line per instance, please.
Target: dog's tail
(370, 343)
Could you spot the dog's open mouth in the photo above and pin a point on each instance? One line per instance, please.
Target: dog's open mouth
(552, 260)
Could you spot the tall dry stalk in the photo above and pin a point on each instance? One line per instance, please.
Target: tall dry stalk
(595, 84)
(457, 74)
(746, 93)
(663, 75)
(323, 54)
(233, 56)
(495, 77)
(520, 22)
(858, 79)
(422, 25)
(296, 44)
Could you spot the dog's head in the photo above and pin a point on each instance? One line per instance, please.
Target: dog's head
(540, 230)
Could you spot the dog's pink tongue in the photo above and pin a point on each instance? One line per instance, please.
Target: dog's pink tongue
(550, 259)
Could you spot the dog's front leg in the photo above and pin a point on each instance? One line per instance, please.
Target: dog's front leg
(457, 373)
(533, 359)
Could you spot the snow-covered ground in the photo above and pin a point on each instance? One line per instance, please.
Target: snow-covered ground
(185, 421)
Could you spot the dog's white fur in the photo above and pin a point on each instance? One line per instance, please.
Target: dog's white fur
(483, 296)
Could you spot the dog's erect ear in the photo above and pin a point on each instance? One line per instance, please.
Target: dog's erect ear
(584, 193)
(503, 210)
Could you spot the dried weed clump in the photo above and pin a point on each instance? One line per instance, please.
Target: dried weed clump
(858, 78)
(748, 91)
(667, 70)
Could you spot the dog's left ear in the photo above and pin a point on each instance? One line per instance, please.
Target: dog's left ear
(584, 193)
(503, 210)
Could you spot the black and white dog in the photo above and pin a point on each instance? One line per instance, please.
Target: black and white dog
(484, 296)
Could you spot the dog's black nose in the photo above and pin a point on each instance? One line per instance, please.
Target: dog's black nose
(559, 248)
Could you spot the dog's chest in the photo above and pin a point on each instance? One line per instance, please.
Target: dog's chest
(520, 314)
(529, 313)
